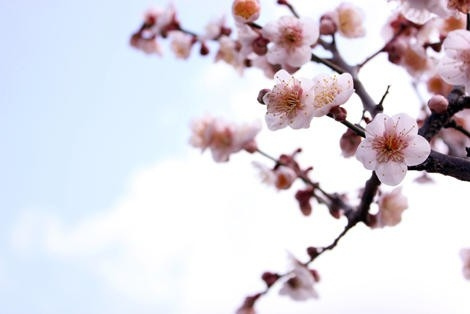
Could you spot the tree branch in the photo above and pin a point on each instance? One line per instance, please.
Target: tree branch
(456, 167)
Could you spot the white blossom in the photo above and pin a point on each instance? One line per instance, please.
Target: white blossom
(391, 207)
(454, 67)
(292, 39)
(290, 102)
(391, 145)
(330, 91)
(300, 285)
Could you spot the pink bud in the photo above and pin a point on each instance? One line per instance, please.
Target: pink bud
(349, 142)
(438, 103)
(312, 252)
(327, 25)
(270, 278)
(261, 95)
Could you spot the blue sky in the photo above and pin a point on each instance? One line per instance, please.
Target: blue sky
(105, 208)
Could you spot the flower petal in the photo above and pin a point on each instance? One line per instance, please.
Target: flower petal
(417, 151)
(405, 125)
(275, 121)
(367, 155)
(377, 126)
(391, 173)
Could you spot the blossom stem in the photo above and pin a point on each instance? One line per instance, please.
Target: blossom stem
(328, 63)
(290, 7)
(384, 48)
(358, 129)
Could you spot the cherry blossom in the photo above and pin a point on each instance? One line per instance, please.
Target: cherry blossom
(392, 144)
(290, 102)
(460, 5)
(330, 91)
(228, 52)
(465, 255)
(181, 44)
(222, 138)
(391, 207)
(421, 11)
(300, 285)
(292, 39)
(281, 177)
(454, 67)
(349, 20)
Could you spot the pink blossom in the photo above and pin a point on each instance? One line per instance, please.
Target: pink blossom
(454, 67)
(181, 44)
(421, 11)
(292, 39)
(281, 177)
(330, 91)
(147, 45)
(300, 285)
(222, 138)
(290, 102)
(214, 28)
(349, 20)
(391, 145)
(391, 207)
(465, 255)
(460, 5)
(229, 53)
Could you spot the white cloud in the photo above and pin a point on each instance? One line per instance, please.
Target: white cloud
(201, 233)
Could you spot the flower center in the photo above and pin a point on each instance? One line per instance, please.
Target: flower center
(287, 100)
(294, 283)
(222, 139)
(389, 148)
(291, 37)
(327, 94)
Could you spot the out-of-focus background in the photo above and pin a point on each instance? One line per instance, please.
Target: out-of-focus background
(106, 209)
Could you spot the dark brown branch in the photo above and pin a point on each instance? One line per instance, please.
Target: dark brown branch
(456, 167)
(452, 124)
(436, 121)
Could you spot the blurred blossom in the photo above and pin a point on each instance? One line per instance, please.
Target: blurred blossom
(465, 255)
(222, 138)
(454, 67)
(281, 177)
(421, 11)
(349, 20)
(300, 284)
(391, 207)
(181, 44)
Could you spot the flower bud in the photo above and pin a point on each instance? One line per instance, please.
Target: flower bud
(261, 94)
(312, 252)
(338, 113)
(270, 278)
(438, 103)
(245, 11)
(349, 142)
(327, 25)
